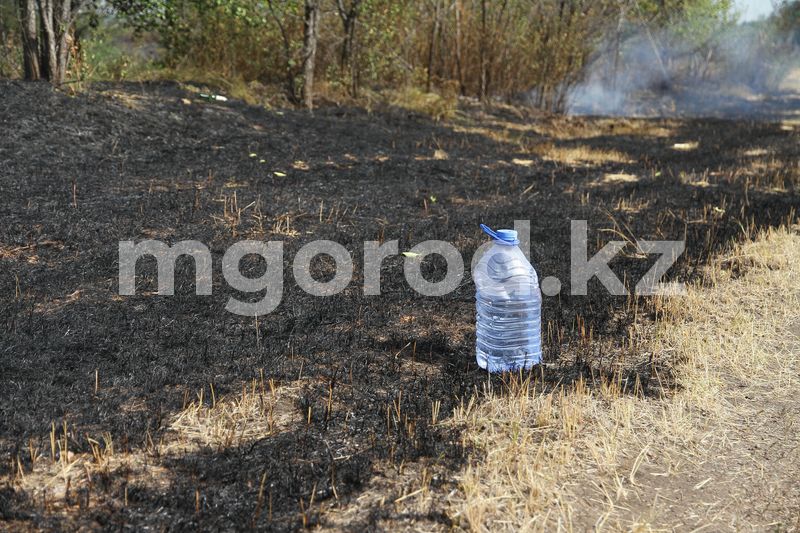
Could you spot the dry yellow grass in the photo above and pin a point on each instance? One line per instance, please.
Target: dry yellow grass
(63, 476)
(262, 409)
(579, 154)
(437, 106)
(602, 457)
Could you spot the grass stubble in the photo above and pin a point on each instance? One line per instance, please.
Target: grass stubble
(593, 455)
(597, 454)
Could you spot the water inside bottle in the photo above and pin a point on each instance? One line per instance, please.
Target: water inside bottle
(508, 305)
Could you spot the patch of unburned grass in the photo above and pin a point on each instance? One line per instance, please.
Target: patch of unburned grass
(586, 456)
(260, 410)
(579, 154)
(65, 471)
(435, 105)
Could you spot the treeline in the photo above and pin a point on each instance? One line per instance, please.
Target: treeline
(482, 48)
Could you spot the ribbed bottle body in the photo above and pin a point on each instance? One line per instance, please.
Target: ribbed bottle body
(508, 309)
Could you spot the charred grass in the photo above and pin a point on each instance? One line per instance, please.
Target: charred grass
(347, 411)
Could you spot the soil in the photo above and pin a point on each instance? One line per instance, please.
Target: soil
(79, 173)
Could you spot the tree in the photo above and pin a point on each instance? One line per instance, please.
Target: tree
(457, 45)
(310, 34)
(286, 42)
(437, 11)
(46, 27)
(483, 60)
(30, 39)
(349, 17)
(787, 16)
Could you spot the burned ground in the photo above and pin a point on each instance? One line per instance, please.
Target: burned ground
(80, 173)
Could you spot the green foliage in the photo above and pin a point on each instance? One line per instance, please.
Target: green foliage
(436, 106)
(109, 52)
(10, 51)
(484, 48)
(701, 20)
(233, 34)
(787, 17)
(692, 23)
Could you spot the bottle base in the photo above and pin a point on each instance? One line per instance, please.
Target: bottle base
(496, 365)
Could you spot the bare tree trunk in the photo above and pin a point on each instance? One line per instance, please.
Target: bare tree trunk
(499, 29)
(310, 32)
(617, 46)
(432, 44)
(349, 18)
(484, 89)
(30, 39)
(62, 23)
(354, 69)
(459, 64)
(291, 91)
(45, 38)
(49, 44)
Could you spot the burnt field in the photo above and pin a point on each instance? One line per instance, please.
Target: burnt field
(170, 412)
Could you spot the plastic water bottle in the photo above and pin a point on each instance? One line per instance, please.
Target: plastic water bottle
(509, 306)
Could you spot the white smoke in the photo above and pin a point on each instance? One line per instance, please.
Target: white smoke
(741, 71)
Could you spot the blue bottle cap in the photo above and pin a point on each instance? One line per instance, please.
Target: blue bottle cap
(504, 236)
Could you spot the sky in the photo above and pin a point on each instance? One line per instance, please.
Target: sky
(753, 9)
